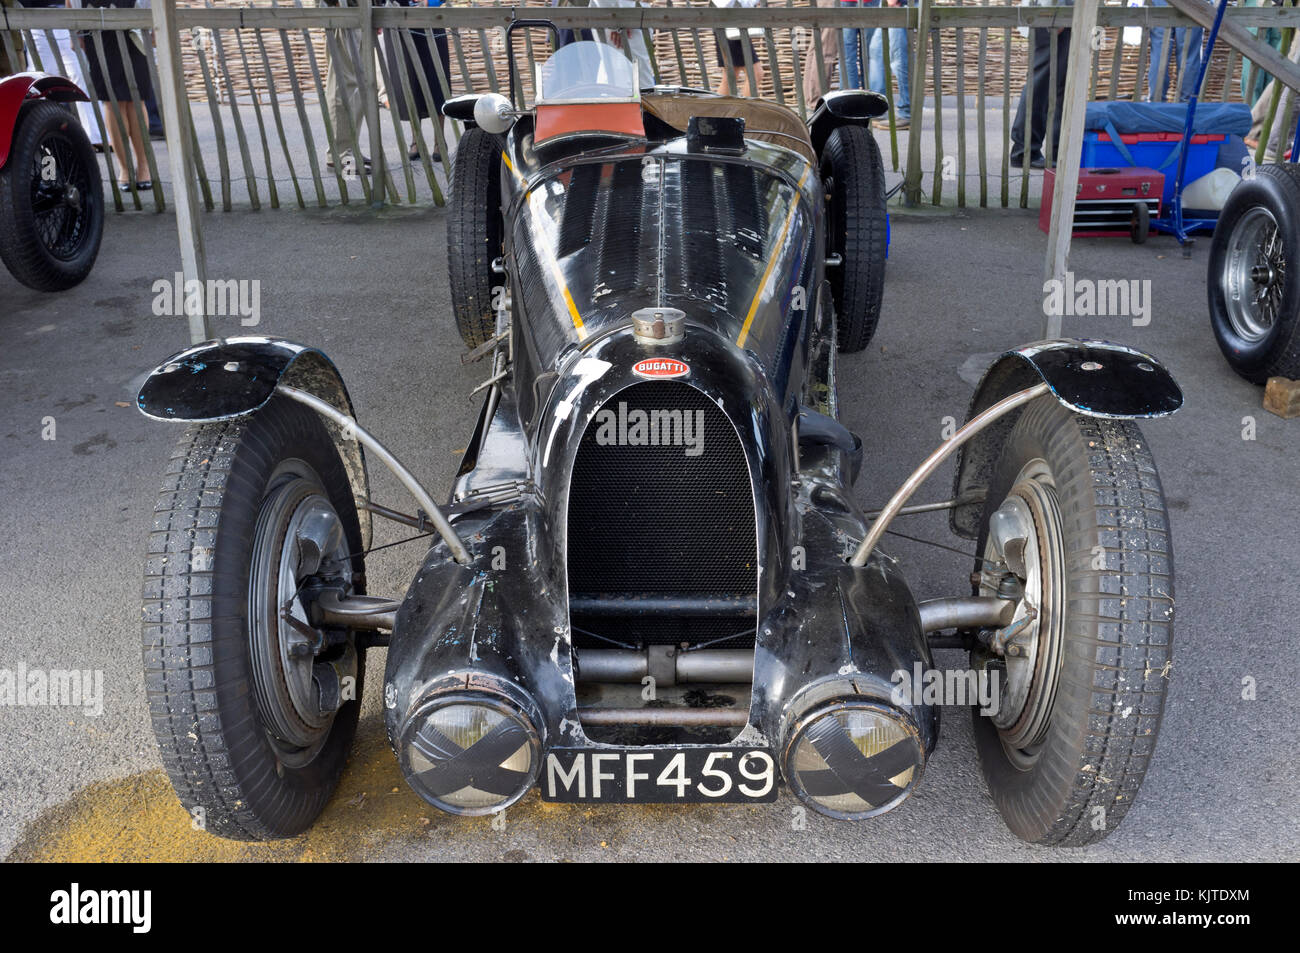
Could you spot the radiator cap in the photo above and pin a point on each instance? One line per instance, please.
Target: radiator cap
(658, 325)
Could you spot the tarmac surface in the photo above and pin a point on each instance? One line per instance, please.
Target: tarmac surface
(370, 289)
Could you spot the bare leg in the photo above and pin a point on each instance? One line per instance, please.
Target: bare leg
(118, 138)
(137, 142)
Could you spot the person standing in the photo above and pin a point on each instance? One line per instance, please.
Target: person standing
(1179, 47)
(61, 59)
(740, 51)
(343, 102)
(1254, 79)
(1040, 76)
(855, 41)
(898, 66)
(108, 79)
(398, 58)
(815, 84)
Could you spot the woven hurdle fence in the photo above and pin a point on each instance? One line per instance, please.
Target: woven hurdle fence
(256, 76)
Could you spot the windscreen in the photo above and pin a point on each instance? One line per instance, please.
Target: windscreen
(587, 71)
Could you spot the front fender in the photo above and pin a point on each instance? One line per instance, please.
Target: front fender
(25, 87)
(235, 377)
(1094, 378)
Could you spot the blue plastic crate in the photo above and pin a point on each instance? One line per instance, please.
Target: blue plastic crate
(1152, 150)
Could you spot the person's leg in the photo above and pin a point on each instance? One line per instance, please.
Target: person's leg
(138, 135)
(1062, 64)
(1039, 69)
(814, 85)
(898, 64)
(874, 53)
(1162, 46)
(851, 68)
(118, 136)
(343, 90)
(1189, 67)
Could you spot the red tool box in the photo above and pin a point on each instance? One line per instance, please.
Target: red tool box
(1106, 204)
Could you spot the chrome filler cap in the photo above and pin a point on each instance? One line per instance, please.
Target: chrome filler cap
(658, 325)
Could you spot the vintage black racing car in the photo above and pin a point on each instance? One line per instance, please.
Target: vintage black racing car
(653, 581)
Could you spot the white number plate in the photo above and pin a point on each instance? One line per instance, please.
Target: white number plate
(659, 775)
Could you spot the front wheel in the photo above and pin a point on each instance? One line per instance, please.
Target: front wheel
(51, 200)
(475, 234)
(1075, 530)
(253, 704)
(1254, 278)
(857, 232)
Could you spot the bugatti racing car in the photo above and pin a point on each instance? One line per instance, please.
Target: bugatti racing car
(653, 580)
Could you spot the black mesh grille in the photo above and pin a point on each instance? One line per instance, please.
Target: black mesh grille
(653, 520)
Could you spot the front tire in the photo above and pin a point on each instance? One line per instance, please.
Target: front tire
(857, 230)
(475, 234)
(1254, 275)
(252, 514)
(1075, 511)
(51, 200)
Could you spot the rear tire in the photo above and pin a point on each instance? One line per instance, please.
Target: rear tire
(1065, 764)
(51, 200)
(857, 230)
(1253, 282)
(222, 519)
(475, 234)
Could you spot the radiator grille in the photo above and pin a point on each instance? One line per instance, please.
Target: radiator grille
(648, 520)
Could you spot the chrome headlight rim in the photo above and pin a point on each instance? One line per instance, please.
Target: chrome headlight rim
(852, 703)
(512, 704)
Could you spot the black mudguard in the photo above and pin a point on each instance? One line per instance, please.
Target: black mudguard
(1094, 378)
(235, 377)
(844, 107)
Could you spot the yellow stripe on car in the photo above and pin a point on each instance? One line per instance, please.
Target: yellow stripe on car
(771, 263)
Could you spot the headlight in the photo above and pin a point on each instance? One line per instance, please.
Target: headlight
(470, 754)
(854, 759)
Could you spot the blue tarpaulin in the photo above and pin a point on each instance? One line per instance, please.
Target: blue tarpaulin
(1231, 119)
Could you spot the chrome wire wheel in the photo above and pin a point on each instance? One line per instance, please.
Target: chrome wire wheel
(298, 535)
(1025, 538)
(62, 195)
(1254, 274)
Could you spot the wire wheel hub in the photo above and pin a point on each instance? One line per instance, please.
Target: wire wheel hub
(1254, 274)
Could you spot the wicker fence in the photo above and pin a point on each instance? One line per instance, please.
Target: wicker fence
(255, 81)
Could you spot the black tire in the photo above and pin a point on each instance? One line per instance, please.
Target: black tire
(1260, 337)
(50, 228)
(1105, 638)
(205, 698)
(475, 234)
(1139, 225)
(856, 230)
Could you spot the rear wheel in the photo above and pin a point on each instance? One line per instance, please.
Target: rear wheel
(1075, 529)
(51, 200)
(1254, 281)
(856, 228)
(253, 706)
(475, 234)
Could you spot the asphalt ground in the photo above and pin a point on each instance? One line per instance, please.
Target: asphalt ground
(371, 290)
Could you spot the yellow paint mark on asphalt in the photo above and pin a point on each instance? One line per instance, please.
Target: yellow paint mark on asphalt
(373, 815)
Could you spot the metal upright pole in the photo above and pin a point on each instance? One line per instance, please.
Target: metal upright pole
(180, 157)
(1070, 152)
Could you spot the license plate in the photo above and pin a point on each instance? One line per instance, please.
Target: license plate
(659, 775)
